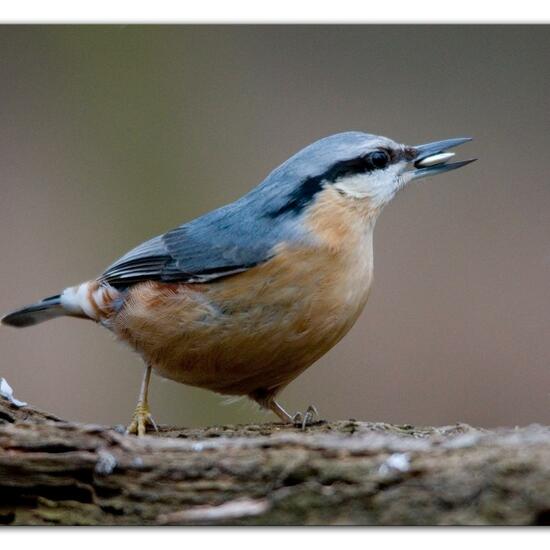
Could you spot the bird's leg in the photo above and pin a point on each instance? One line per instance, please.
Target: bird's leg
(266, 400)
(142, 417)
(279, 411)
(299, 419)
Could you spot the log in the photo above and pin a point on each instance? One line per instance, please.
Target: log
(54, 472)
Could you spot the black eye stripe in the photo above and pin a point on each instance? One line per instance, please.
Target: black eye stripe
(376, 160)
(304, 194)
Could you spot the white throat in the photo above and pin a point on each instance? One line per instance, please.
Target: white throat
(379, 186)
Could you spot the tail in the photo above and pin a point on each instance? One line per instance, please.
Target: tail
(46, 309)
(90, 300)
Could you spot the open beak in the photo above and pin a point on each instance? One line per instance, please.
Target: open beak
(431, 158)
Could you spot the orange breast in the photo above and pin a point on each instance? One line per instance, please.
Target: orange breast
(261, 328)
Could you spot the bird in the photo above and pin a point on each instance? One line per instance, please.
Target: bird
(246, 297)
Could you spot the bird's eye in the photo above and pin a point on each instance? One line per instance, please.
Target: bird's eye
(379, 159)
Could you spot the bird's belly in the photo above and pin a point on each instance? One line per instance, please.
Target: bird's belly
(258, 329)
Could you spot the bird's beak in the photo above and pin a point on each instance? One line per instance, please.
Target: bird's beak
(431, 158)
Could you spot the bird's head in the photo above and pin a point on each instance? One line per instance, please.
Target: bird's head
(359, 167)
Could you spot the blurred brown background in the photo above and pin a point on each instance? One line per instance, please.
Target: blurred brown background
(112, 134)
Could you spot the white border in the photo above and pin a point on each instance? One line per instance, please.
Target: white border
(279, 11)
(276, 539)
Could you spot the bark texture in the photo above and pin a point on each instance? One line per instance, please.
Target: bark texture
(345, 472)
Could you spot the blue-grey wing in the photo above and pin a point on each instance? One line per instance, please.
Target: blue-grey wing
(221, 243)
(235, 237)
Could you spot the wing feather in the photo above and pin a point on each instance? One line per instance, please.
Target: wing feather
(216, 245)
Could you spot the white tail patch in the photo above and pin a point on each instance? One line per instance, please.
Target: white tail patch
(90, 299)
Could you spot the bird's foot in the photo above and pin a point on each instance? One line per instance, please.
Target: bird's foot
(140, 420)
(306, 419)
(299, 419)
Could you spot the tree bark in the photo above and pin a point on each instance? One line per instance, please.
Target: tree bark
(345, 472)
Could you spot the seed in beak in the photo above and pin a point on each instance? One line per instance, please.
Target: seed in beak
(432, 160)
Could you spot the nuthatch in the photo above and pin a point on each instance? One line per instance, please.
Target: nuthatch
(244, 298)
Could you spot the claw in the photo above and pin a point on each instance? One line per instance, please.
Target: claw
(140, 420)
(305, 419)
